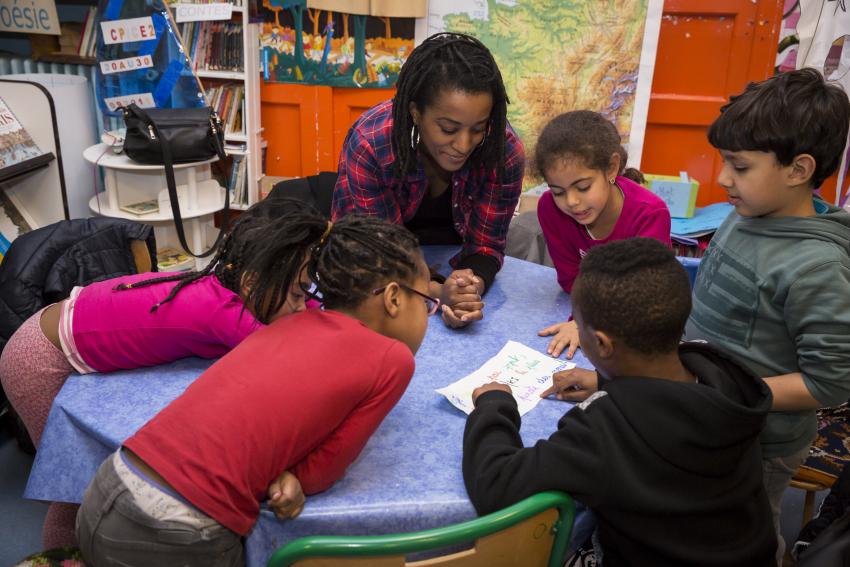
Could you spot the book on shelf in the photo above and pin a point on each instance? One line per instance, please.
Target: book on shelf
(238, 184)
(18, 152)
(214, 45)
(142, 207)
(228, 101)
(171, 260)
(88, 39)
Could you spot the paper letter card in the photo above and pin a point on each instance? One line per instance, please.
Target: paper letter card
(142, 100)
(525, 370)
(127, 64)
(204, 12)
(127, 31)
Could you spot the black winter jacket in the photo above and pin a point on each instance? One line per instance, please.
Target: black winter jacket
(671, 470)
(43, 266)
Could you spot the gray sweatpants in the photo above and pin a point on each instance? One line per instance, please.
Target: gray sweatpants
(778, 472)
(114, 531)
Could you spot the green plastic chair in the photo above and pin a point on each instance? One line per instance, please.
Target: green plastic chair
(535, 531)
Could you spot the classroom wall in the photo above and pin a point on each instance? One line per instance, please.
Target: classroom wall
(706, 52)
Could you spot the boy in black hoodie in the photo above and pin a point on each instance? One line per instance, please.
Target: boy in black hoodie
(666, 453)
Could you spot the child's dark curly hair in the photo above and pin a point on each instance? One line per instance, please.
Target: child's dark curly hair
(585, 136)
(637, 291)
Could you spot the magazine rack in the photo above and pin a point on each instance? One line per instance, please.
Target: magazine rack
(38, 192)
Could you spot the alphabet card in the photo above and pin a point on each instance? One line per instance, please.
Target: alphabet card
(525, 370)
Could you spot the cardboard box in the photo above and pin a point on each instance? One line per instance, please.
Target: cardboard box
(268, 182)
(679, 192)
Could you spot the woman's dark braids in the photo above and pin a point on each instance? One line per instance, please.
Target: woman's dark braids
(360, 254)
(448, 61)
(270, 241)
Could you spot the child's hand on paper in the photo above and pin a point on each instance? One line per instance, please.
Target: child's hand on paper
(286, 499)
(461, 299)
(573, 385)
(566, 337)
(490, 387)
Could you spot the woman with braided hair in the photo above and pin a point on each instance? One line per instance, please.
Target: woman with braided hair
(150, 319)
(441, 159)
(276, 417)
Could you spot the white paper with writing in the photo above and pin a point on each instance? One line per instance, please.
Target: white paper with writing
(525, 370)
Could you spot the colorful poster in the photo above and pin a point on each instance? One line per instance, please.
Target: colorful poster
(310, 46)
(559, 56)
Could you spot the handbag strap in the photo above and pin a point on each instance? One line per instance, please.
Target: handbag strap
(168, 163)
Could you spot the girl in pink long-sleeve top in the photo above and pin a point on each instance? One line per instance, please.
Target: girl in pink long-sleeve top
(592, 199)
(150, 319)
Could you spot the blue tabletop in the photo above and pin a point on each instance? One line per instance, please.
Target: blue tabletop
(408, 476)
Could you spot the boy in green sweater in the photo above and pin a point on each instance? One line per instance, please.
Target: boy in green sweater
(774, 286)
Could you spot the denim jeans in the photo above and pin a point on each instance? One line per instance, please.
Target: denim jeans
(777, 475)
(114, 531)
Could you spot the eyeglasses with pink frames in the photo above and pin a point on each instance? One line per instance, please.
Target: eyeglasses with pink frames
(432, 303)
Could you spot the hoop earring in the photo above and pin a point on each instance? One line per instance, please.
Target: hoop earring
(484, 139)
(414, 137)
(612, 181)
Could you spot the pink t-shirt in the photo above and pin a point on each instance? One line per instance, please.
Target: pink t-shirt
(116, 330)
(644, 214)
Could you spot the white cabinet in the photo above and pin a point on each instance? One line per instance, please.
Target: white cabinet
(128, 182)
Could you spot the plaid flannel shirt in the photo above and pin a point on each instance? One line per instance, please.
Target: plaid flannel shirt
(481, 207)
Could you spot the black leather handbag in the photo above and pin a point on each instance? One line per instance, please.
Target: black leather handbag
(165, 136)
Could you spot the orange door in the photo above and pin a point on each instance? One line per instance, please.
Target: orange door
(706, 52)
(348, 105)
(297, 121)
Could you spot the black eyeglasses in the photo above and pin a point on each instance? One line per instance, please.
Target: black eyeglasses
(432, 303)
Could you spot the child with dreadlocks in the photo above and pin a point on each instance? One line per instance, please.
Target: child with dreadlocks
(441, 159)
(149, 319)
(275, 410)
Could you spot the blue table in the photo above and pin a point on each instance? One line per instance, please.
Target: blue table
(408, 476)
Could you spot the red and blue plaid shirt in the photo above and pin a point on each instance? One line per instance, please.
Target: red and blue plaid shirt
(481, 207)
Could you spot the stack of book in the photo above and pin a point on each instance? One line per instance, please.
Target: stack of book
(228, 101)
(214, 46)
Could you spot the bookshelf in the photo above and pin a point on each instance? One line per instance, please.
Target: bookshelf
(225, 56)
